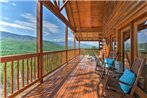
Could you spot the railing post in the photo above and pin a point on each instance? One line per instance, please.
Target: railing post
(79, 48)
(39, 40)
(66, 43)
(99, 44)
(74, 45)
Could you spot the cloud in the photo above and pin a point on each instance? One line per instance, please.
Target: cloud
(14, 25)
(29, 17)
(14, 4)
(27, 26)
(70, 39)
(58, 40)
(4, 1)
(4, 18)
(50, 27)
(47, 26)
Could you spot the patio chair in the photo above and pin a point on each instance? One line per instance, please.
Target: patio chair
(109, 62)
(99, 59)
(104, 65)
(127, 83)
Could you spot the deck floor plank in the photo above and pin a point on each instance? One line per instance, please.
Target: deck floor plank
(50, 84)
(80, 81)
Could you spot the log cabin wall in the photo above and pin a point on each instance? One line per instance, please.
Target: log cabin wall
(120, 14)
(116, 19)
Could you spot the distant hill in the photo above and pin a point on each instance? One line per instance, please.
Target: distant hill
(71, 44)
(8, 35)
(19, 44)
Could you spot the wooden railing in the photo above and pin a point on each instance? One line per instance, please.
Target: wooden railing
(19, 72)
(85, 51)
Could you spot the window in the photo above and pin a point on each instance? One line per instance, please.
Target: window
(142, 39)
(113, 44)
(127, 48)
(142, 51)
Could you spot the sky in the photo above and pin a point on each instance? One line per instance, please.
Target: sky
(19, 17)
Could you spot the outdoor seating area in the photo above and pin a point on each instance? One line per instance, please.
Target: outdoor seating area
(61, 66)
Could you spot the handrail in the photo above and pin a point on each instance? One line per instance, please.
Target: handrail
(16, 57)
(24, 68)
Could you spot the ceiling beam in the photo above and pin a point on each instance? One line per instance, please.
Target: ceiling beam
(92, 29)
(78, 16)
(56, 12)
(56, 3)
(100, 33)
(63, 5)
(88, 40)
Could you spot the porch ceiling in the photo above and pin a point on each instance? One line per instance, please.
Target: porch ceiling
(86, 17)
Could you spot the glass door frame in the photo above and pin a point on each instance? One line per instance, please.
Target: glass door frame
(123, 31)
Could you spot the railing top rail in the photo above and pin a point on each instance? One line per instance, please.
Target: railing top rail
(50, 52)
(17, 57)
(89, 49)
(23, 56)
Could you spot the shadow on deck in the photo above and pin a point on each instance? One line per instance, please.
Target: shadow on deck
(74, 80)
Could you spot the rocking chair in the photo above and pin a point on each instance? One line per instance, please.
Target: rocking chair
(117, 85)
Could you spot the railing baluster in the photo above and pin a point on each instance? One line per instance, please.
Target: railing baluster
(31, 69)
(44, 64)
(48, 63)
(27, 72)
(37, 60)
(5, 80)
(17, 75)
(22, 72)
(11, 78)
(34, 68)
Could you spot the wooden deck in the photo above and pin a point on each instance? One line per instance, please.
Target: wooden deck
(75, 80)
(81, 83)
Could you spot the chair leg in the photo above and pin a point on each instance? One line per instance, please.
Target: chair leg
(104, 87)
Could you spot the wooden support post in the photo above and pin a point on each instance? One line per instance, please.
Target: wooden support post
(74, 42)
(66, 43)
(39, 40)
(132, 42)
(99, 44)
(118, 41)
(79, 47)
(74, 45)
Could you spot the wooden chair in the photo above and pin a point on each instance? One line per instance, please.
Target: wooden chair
(112, 55)
(100, 67)
(113, 83)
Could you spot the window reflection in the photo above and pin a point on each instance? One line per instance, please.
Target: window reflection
(127, 49)
(142, 51)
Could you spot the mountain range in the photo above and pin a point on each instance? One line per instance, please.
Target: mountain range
(8, 35)
(18, 44)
